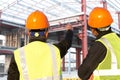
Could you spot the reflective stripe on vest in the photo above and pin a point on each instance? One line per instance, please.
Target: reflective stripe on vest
(23, 64)
(25, 70)
(55, 73)
(114, 71)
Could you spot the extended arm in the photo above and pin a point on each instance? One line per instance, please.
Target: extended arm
(96, 54)
(65, 44)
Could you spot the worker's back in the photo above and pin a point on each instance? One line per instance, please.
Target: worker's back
(40, 59)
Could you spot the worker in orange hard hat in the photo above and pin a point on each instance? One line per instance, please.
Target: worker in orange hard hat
(102, 59)
(39, 60)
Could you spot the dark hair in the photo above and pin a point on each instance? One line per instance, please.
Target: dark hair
(40, 38)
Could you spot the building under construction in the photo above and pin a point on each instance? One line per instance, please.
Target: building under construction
(14, 13)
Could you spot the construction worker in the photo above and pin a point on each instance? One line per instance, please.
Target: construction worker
(103, 55)
(39, 60)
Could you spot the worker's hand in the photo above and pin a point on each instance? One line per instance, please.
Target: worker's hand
(69, 27)
(91, 77)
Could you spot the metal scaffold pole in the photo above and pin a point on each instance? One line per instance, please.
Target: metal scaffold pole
(104, 2)
(119, 20)
(84, 29)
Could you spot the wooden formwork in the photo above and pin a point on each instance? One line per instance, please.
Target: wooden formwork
(13, 38)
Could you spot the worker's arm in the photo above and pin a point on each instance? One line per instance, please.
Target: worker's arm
(65, 44)
(13, 73)
(95, 55)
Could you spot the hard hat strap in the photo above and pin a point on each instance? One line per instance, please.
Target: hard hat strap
(38, 32)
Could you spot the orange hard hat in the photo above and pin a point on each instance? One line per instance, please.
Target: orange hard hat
(99, 17)
(37, 20)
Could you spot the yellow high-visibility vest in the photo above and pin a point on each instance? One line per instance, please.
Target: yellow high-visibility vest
(38, 61)
(109, 68)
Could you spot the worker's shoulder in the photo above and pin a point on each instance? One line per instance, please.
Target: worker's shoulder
(118, 35)
(97, 44)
